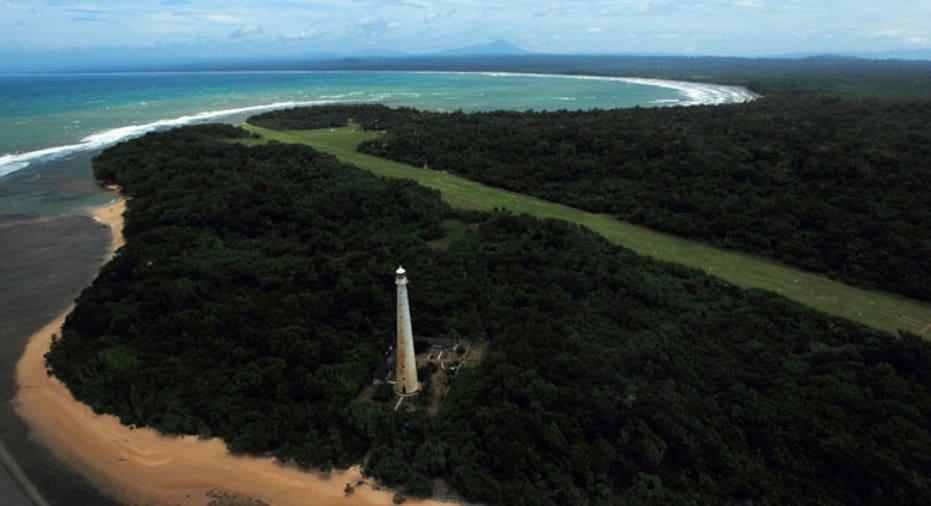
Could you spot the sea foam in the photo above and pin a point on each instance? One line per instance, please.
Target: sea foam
(18, 161)
(692, 94)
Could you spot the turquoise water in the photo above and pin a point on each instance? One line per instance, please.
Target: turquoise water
(52, 123)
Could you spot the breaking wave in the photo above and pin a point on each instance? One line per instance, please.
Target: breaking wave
(17, 161)
(691, 94)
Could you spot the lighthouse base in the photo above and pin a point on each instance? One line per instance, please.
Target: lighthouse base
(406, 393)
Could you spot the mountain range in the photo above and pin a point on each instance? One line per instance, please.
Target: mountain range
(149, 58)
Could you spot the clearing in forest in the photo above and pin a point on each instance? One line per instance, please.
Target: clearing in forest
(877, 309)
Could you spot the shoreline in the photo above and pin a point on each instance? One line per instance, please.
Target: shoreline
(697, 94)
(12, 162)
(142, 466)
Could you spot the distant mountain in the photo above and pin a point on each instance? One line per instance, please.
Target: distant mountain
(892, 54)
(900, 54)
(379, 53)
(497, 47)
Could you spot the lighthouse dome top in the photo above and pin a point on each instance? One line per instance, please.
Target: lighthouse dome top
(400, 271)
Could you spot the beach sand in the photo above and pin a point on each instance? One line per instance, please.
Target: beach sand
(112, 216)
(141, 466)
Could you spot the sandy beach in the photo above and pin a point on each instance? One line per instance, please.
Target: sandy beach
(112, 216)
(141, 466)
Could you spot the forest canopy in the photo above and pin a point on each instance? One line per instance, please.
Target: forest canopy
(253, 301)
(824, 184)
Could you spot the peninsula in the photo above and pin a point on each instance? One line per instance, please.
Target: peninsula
(255, 307)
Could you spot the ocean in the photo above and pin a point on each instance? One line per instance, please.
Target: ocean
(52, 124)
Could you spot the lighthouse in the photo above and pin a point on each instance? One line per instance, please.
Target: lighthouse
(406, 373)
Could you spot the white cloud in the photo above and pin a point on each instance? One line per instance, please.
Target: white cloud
(642, 8)
(419, 3)
(595, 29)
(647, 6)
(164, 22)
(430, 9)
(246, 31)
(372, 26)
(551, 10)
(886, 34)
(302, 35)
(223, 18)
(910, 37)
(13, 6)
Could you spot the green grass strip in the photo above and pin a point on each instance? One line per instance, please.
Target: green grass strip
(878, 309)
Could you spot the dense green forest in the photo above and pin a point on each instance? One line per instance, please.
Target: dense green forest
(243, 304)
(828, 185)
(254, 298)
(373, 116)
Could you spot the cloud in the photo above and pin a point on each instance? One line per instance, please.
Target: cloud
(302, 35)
(551, 10)
(92, 19)
(886, 34)
(372, 26)
(419, 3)
(246, 31)
(91, 16)
(595, 29)
(747, 3)
(16, 6)
(641, 8)
(165, 22)
(176, 2)
(909, 37)
(223, 18)
(431, 11)
(88, 12)
(651, 6)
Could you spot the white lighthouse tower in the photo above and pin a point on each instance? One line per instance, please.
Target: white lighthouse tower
(406, 373)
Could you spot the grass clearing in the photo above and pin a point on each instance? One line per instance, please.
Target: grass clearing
(877, 309)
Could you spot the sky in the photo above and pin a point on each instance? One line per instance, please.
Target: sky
(231, 28)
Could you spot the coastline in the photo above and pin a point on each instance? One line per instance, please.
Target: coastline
(699, 93)
(12, 162)
(142, 466)
(694, 93)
